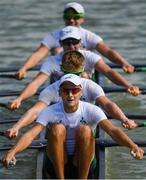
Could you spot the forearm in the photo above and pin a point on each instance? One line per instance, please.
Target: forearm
(121, 138)
(30, 115)
(116, 78)
(25, 120)
(29, 91)
(115, 57)
(115, 112)
(36, 57)
(22, 144)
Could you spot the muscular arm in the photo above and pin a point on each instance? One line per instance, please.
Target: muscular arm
(26, 119)
(121, 138)
(29, 91)
(114, 111)
(22, 143)
(111, 108)
(32, 87)
(114, 56)
(116, 78)
(40, 53)
(111, 74)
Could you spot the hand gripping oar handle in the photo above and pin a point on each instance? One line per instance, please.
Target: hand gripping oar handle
(14, 69)
(11, 163)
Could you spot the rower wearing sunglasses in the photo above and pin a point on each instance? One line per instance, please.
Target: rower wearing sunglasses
(72, 62)
(73, 15)
(71, 138)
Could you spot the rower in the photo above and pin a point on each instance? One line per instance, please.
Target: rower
(73, 15)
(72, 62)
(72, 123)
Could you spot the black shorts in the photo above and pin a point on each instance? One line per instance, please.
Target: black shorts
(70, 170)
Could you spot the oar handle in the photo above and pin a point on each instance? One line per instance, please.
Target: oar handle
(118, 89)
(2, 133)
(11, 163)
(10, 76)
(141, 124)
(140, 69)
(5, 105)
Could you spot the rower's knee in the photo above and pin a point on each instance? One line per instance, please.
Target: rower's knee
(57, 131)
(84, 133)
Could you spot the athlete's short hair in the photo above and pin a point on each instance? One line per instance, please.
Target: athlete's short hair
(73, 59)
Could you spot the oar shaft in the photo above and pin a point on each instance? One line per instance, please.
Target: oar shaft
(140, 69)
(5, 105)
(14, 69)
(9, 121)
(141, 124)
(36, 144)
(117, 89)
(2, 133)
(111, 143)
(119, 66)
(12, 93)
(10, 76)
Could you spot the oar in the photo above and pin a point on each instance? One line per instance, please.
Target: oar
(133, 116)
(117, 89)
(10, 76)
(5, 105)
(2, 133)
(9, 93)
(10, 163)
(135, 65)
(106, 89)
(130, 116)
(9, 121)
(36, 144)
(140, 69)
(111, 143)
(13, 93)
(141, 124)
(14, 69)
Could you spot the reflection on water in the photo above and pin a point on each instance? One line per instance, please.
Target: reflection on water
(120, 23)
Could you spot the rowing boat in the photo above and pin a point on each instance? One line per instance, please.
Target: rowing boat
(41, 171)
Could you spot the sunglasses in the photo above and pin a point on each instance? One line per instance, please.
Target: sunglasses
(74, 91)
(68, 16)
(69, 41)
(66, 71)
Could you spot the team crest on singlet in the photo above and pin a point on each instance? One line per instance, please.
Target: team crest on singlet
(82, 121)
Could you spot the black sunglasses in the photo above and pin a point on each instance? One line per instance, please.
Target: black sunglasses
(70, 41)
